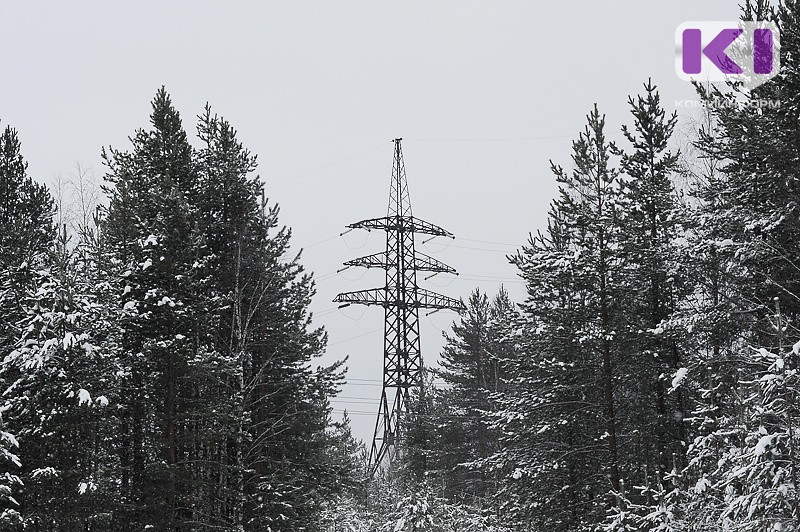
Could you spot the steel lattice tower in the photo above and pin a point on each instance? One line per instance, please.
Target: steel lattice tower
(401, 299)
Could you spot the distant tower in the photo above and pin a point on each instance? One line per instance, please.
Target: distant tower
(401, 299)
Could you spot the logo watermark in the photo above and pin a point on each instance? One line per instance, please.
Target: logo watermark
(726, 103)
(732, 51)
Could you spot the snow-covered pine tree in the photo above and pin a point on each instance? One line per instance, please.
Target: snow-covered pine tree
(26, 235)
(61, 395)
(549, 444)
(471, 369)
(557, 414)
(26, 210)
(743, 242)
(226, 420)
(277, 404)
(588, 197)
(758, 143)
(147, 229)
(653, 282)
(747, 467)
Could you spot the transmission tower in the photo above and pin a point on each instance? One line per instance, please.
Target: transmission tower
(401, 299)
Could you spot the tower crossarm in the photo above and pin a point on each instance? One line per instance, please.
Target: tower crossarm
(373, 296)
(385, 297)
(433, 300)
(426, 263)
(402, 223)
(421, 262)
(376, 260)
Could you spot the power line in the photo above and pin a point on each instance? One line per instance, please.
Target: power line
(481, 277)
(354, 337)
(507, 139)
(279, 183)
(356, 398)
(444, 247)
(491, 279)
(356, 401)
(489, 242)
(320, 242)
(435, 381)
(498, 277)
(483, 249)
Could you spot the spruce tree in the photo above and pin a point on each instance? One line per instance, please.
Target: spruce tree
(548, 417)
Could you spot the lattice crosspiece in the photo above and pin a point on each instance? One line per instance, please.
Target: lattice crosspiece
(421, 262)
(403, 224)
(401, 299)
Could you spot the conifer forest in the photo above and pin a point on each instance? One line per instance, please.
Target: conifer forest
(161, 366)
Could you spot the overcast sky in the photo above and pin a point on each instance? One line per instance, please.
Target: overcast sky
(483, 93)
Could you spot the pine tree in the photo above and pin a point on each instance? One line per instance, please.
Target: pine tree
(588, 198)
(558, 414)
(60, 381)
(228, 423)
(26, 232)
(472, 371)
(26, 235)
(654, 274)
(755, 194)
(743, 244)
(26, 209)
(148, 229)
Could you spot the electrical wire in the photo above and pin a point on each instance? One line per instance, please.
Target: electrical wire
(366, 239)
(357, 398)
(320, 242)
(279, 183)
(427, 316)
(363, 273)
(326, 276)
(490, 279)
(354, 337)
(445, 246)
(325, 313)
(483, 249)
(488, 242)
(507, 139)
(364, 401)
(354, 413)
(439, 285)
(435, 381)
(363, 311)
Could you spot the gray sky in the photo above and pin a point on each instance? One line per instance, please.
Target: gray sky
(308, 84)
